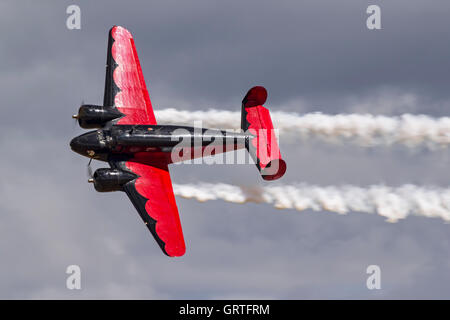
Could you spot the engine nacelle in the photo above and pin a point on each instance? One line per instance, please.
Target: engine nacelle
(91, 116)
(107, 180)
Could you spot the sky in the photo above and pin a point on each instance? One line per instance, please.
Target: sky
(312, 56)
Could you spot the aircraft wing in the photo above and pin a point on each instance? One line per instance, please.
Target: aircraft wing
(125, 86)
(152, 195)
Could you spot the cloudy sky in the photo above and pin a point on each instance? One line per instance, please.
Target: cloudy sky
(311, 56)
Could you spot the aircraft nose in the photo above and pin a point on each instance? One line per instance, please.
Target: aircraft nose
(87, 144)
(83, 143)
(75, 144)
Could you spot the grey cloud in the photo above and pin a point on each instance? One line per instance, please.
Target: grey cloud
(312, 56)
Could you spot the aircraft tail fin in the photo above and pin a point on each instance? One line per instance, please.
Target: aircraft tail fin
(262, 142)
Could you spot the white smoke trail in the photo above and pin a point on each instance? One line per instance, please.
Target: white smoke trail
(392, 203)
(362, 129)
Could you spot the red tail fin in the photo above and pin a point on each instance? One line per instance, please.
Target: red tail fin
(262, 143)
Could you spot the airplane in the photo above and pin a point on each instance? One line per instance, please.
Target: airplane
(139, 150)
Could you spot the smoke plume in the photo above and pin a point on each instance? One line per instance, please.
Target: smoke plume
(362, 129)
(392, 203)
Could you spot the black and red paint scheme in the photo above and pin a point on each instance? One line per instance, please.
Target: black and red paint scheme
(139, 151)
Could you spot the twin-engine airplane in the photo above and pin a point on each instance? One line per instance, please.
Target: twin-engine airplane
(139, 151)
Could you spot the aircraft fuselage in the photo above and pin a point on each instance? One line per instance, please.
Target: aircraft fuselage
(163, 140)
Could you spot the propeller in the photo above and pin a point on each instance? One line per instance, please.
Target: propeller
(75, 122)
(89, 172)
(75, 116)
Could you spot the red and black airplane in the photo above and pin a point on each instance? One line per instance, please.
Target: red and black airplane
(139, 151)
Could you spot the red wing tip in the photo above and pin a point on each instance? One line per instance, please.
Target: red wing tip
(177, 252)
(256, 96)
(120, 30)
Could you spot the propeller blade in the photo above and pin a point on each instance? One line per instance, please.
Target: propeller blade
(76, 116)
(89, 170)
